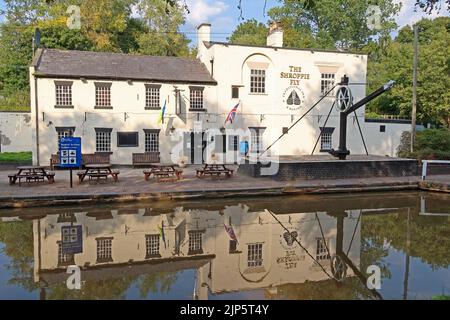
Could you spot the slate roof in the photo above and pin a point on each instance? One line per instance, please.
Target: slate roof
(117, 66)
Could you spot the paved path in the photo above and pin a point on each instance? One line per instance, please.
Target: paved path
(132, 184)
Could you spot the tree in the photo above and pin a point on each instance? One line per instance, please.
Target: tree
(394, 61)
(163, 37)
(330, 24)
(250, 32)
(432, 5)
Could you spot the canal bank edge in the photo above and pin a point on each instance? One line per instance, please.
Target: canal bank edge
(61, 200)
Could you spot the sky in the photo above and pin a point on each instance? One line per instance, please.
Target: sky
(224, 15)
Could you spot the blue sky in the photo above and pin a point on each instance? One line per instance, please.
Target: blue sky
(224, 15)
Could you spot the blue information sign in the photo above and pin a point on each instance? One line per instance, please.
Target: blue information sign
(70, 152)
(72, 239)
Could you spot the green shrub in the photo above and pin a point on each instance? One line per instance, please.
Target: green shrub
(10, 157)
(430, 144)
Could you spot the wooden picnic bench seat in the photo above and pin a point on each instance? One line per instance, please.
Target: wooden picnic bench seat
(145, 159)
(87, 158)
(163, 175)
(214, 171)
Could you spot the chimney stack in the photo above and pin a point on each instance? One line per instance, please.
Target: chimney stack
(203, 35)
(275, 37)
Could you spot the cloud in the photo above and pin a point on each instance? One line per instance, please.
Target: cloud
(407, 15)
(204, 10)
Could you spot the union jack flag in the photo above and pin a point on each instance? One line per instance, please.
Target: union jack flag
(230, 232)
(232, 114)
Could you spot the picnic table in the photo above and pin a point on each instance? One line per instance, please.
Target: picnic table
(31, 174)
(164, 173)
(98, 171)
(214, 170)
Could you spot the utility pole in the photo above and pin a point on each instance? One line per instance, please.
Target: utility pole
(414, 99)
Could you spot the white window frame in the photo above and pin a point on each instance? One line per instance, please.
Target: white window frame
(152, 245)
(321, 249)
(63, 94)
(152, 97)
(327, 81)
(104, 249)
(254, 255)
(195, 242)
(258, 81)
(151, 143)
(196, 99)
(103, 140)
(103, 95)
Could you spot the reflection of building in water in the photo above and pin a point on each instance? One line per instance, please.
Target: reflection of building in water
(265, 255)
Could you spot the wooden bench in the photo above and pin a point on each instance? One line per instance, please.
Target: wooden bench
(162, 176)
(214, 170)
(87, 158)
(145, 159)
(98, 175)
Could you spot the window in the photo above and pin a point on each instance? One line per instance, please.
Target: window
(127, 139)
(104, 249)
(257, 81)
(234, 92)
(152, 245)
(103, 140)
(63, 94)
(326, 142)
(152, 98)
(254, 257)
(382, 128)
(64, 259)
(322, 251)
(195, 242)
(233, 246)
(103, 95)
(233, 143)
(151, 140)
(196, 98)
(256, 142)
(64, 132)
(326, 83)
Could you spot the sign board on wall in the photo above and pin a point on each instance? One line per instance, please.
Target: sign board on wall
(72, 239)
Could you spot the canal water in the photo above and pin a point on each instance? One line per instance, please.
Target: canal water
(299, 247)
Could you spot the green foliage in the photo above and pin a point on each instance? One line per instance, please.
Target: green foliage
(15, 157)
(441, 297)
(429, 144)
(250, 32)
(393, 60)
(331, 24)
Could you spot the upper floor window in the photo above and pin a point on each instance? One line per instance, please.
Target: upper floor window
(195, 242)
(151, 140)
(152, 96)
(257, 81)
(102, 95)
(326, 83)
(103, 139)
(254, 255)
(196, 98)
(63, 91)
(234, 92)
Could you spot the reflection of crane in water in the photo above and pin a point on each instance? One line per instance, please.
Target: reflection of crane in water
(340, 261)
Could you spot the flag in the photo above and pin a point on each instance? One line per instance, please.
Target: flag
(161, 231)
(232, 114)
(163, 112)
(231, 233)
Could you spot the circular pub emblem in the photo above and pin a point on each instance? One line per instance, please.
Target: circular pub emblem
(293, 98)
(289, 238)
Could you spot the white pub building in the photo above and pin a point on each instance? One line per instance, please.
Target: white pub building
(177, 107)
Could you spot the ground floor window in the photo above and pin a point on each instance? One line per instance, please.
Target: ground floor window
(103, 139)
(64, 132)
(326, 142)
(151, 140)
(127, 139)
(64, 259)
(152, 245)
(104, 249)
(256, 143)
(322, 249)
(254, 256)
(195, 242)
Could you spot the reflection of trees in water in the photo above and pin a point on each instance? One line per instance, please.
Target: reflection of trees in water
(158, 282)
(429, 236)
(17, 238)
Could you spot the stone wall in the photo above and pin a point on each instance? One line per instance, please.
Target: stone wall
(15, 131)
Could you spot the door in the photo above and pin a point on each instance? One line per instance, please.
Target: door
(194, 144)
